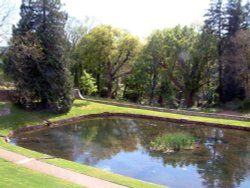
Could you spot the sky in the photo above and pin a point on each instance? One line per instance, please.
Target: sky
(140, 17)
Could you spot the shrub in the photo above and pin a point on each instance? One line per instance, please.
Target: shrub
(88, 84)
(172, 142)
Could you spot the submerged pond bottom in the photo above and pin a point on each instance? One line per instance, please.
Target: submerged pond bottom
(219, 158)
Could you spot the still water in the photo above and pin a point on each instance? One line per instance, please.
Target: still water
(220, 158)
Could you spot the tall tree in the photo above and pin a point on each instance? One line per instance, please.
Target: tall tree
(75, 30)
(37, 58)
(108, 53)
(224, 21)
(234, 16)
(154, 53)
(180, 61)
(138, 83)
(241, 41)
(215, 24)
(232, 87)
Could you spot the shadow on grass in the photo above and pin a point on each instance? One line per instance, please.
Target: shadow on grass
(22, 118)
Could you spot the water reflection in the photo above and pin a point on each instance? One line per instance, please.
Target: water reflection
(220, 158)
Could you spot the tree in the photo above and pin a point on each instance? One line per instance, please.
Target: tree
(187, 59)
(232, 87)
(107, 52)
(241, 41)
(88, 84)
(138, 82)
(215, 24)
(37, 57)
(224, 21)
(175, 63)
(75, 30)
(143, 79)
(154, 53)
(234, 15)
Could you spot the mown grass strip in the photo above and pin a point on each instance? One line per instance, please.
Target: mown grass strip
(16, 176)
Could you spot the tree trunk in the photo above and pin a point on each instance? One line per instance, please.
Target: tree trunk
(220, 87)
(152, 89)
(124, 91)
(98, 83)
(247, 87)
(110, 86)
(190, 99)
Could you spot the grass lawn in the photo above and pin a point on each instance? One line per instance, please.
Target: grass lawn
(16, 176)
(20, 118)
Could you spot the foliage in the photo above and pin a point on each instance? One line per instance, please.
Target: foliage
(75, 30)
(172, 141)
(88, 84)
(245, 106)
(175, 67)
(241, 41)
(36, 57)
(224, 20)
(180, 62)
(137, 84)
(107, 53)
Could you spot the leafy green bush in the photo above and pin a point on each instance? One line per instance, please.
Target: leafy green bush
(88, 84)
(172, 142)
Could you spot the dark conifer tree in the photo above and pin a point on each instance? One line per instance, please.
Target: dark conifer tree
(234, 15)
(224, 21)
(215, 25)
(232, 87)
(37, 59)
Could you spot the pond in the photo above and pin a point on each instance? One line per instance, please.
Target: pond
(220, 158)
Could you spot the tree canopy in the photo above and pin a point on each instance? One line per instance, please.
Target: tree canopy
(37, 56)
(182, 66)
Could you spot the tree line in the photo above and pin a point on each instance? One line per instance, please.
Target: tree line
(174, 67)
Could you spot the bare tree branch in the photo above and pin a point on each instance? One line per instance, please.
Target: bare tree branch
(7, 10)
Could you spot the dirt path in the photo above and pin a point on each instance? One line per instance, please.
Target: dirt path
(55, 171)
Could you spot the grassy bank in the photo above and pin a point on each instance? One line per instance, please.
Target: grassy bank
(16, 176)
(20, 118)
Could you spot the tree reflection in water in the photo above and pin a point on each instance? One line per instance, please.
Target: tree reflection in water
(221, 157)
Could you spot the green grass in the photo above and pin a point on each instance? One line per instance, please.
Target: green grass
(21, 118)
(119, 179)
(16, 176)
